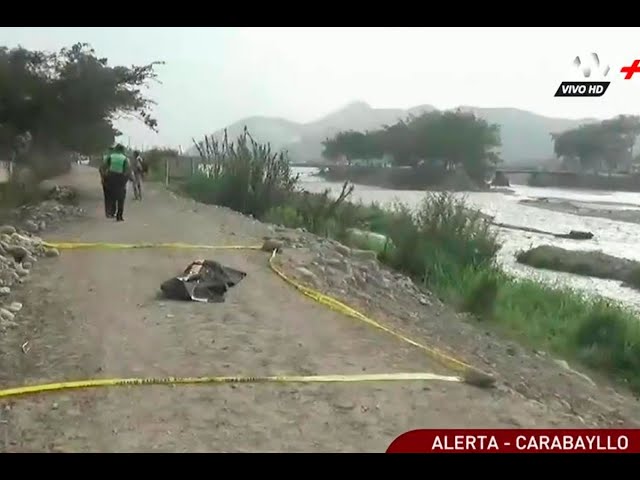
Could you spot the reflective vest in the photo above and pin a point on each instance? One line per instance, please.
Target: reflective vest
(116, 163)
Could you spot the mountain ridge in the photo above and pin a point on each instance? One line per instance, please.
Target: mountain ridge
(526, 136)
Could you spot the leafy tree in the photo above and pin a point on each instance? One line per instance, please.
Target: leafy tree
(67, 101)
(605, 145)
(351, 144)
(454, 138)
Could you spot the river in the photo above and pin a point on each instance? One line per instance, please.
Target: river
(612, 237)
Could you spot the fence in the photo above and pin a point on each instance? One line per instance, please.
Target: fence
(178, 169)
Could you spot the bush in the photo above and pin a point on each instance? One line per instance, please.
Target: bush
(443, 245)
(243, 175)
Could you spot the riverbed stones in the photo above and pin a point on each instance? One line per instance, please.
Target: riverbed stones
(363, 254)
(51, 252)
(343, 250)
(20, 248)
(14, 307)
(307, 275)
(31, 226)
(6, 314)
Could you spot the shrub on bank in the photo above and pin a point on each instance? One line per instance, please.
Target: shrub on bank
(243, 175)
(442, 244)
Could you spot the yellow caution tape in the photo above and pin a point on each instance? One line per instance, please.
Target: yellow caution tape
(469, 374)
(122, 382)
(120, 246)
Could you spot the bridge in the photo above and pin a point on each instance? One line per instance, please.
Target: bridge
(506, 171)
(534, 170)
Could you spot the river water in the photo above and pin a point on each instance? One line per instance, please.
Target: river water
(621, 239)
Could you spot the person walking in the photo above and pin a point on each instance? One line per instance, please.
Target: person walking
(118, 172)
(139, 169)
(108, 204)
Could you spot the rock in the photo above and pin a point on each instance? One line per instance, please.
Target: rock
(307, 275)
(270, 245)
(31, 226)
(342, 250)
(42, 225)
(6, 314)
(360, 278)
(344, 405)
(18, 252)
(62, 193)
(4, 323)
(5, 291)
(7, 229)
(14, 307)
(565, 365)
(21, 271)
(364, 254)
(338, 264)
(423, 300)
(52, 252)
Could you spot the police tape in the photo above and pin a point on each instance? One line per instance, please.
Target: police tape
(467, 373)
(124, 382)
(123, 246)
(471, 374)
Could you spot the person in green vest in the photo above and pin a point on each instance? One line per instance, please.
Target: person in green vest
(118, 172)
(108, 205)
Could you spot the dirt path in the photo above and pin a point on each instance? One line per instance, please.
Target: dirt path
(94, 313)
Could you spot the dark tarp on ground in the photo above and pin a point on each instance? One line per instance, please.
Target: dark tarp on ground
(202, 281)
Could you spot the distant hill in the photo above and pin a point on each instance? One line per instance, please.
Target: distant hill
(525, 135)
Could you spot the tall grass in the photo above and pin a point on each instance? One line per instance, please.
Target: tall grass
(243, 175)
(441, 244)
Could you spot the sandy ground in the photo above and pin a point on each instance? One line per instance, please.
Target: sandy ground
(94, 314)
(588, 209)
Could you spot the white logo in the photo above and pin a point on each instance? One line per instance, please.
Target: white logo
(591, 64)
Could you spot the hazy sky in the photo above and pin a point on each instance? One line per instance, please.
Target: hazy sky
(216, 76)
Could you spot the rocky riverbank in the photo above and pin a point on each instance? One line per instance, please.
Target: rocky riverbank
(588, 263)
(20, 248)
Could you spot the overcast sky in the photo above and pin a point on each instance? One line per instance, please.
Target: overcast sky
(216, 76)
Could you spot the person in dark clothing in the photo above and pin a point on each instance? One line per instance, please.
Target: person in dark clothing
(118, 172)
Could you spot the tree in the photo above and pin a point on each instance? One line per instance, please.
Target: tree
(605, 145)
(67, 101)
(351, 144)
(454, 138)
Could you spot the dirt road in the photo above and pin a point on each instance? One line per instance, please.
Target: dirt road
(94, 314)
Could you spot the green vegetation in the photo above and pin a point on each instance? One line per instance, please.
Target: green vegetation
(599, 147)
(442, 245)
(444, 140)
(57, 106)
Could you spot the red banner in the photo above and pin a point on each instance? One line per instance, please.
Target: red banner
(517, 441)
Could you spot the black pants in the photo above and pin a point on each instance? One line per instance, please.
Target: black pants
(108, 205)
(116, 192)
